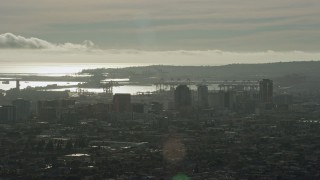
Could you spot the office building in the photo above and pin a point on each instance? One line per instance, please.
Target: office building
(23, 109)
(203, 96)
(222, 100)
(7, 114)
(266, 91)
(182, 97)
(138, 108)
(52, 110)
(122, 103)
(283, 99)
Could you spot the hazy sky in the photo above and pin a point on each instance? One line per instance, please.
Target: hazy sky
(181, 32)
(229, 25)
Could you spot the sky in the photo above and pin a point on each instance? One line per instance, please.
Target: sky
(195, 31)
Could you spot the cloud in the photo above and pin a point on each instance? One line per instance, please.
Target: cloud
(12, 41)
(170, 23)
(18, 49)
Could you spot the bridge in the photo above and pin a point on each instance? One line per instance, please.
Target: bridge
(242, 85)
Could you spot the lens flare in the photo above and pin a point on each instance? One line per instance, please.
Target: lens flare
(174, 150)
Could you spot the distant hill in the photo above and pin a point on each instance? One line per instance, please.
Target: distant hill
(287, 76)
(225, 72)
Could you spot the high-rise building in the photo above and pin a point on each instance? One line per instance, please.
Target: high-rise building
(182, 97)
(203, 96)
(52, 110)
(156, 107)
(266, 90)
(222, 99)
(122, 103)
(18, 85)
(216, 99)
(47, 110)
(283, 99)
(7, 114)
(138, 107)
(23, 109)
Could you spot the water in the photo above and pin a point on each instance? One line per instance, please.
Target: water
(63, 69)
(70, 69)
(25, 84)
(57, 69)
(132, 89)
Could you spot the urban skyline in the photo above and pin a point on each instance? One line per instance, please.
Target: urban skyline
(156, 90)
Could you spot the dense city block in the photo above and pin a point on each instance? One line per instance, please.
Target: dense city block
(183, 130)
